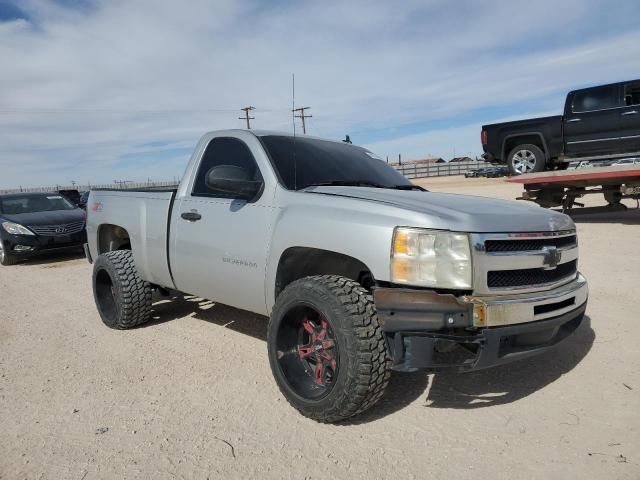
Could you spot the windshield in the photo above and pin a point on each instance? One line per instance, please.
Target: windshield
(322, 162)
(34, 203)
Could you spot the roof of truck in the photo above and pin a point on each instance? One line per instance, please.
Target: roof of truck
(265, 133)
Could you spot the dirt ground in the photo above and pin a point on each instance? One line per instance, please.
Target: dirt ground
(191, 394)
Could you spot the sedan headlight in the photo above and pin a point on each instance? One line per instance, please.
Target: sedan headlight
(16, 229)
(431, 258)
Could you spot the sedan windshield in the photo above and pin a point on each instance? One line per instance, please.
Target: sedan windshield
(16, 205)
(302, 162)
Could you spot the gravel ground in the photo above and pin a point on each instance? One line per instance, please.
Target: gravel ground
(191, 395)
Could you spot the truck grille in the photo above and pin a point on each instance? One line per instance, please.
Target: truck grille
(57, 230)
(524, 262)
(528, 245)
(531, 276)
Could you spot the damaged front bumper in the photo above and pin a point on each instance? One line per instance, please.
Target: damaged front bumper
(427, 330)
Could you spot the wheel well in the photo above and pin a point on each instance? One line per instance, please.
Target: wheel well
(532, 139)
(112, 237)
(300, 262)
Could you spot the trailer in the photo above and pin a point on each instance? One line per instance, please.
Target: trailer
(561, 188)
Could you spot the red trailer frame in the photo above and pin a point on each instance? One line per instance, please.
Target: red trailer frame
(560, 188)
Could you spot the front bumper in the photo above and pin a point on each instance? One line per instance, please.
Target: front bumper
(30, 245)
(427, 330)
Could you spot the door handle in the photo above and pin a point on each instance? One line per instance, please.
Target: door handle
(574, 120)
(191, 216)
(632, 112)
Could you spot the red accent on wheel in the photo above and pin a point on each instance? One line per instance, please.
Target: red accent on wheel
(319, 373)
(317, 351)
(305, 350)
(306, 324)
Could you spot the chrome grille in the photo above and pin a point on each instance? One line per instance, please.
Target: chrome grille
(528, 245)
(523, 262)
(57, 230)
(531, 276)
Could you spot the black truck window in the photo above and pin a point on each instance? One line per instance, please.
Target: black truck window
(599, 98)
(224, 151)
(632, 93)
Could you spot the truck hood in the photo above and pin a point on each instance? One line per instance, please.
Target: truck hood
(56, 217)
(464, 213)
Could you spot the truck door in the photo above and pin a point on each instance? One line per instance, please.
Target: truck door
(630, 118)
(592, 121)
(219, 242)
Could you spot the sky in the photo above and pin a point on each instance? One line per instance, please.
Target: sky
(96, 91)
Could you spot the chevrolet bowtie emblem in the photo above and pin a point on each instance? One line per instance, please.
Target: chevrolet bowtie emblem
(552, 257)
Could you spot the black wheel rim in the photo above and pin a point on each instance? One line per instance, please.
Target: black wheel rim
(106, 295)
(307, 352)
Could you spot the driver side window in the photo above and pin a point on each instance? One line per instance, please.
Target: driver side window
(224, 151)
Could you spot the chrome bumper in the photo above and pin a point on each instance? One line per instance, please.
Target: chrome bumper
(501, 310)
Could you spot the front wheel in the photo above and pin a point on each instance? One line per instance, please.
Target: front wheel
(6, 258)
(526, 159)
(326, 348)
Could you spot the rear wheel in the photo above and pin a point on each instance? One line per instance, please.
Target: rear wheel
(526, 158)
(5, 257)
(122, 297)
(326, 349)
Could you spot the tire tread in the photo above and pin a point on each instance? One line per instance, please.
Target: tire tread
(134, 294)
(366, 383)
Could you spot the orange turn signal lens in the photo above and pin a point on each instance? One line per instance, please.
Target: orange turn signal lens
(401, 243)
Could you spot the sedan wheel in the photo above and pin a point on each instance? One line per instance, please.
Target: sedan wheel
(6, 258)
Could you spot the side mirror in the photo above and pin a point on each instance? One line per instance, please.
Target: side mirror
(232, 180)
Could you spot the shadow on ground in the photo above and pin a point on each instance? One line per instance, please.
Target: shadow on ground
(626, 217)
(485, 388)
(53, 259)
(178, 306)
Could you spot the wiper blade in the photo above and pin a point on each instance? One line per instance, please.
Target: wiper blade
(408, 187)
(364, 183)
(346, 183)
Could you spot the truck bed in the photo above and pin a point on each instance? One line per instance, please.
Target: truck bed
(145, 189)
(145, 215)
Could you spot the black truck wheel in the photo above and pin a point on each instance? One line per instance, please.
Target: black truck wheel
(526, 158)
(5, 257)
(326, 349)
(122, 297)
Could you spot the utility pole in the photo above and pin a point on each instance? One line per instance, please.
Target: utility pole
(246, 117)
(302, 116)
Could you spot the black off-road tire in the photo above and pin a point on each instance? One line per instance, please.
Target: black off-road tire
(7, 259)
(526, 158)
(123, 299)
(364, 360)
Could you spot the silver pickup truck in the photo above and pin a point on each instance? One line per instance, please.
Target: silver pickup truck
(360, 271)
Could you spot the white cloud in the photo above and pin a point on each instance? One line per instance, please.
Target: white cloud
(82, 88)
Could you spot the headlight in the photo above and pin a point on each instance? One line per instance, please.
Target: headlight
(431, 258)
(16, 229)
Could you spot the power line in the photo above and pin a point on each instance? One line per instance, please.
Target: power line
(246, 117)
(302, 116)
(63, 111)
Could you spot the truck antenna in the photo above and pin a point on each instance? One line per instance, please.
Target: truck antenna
(293, 119)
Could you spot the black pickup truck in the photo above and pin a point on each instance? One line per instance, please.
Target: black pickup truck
(599, 123)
